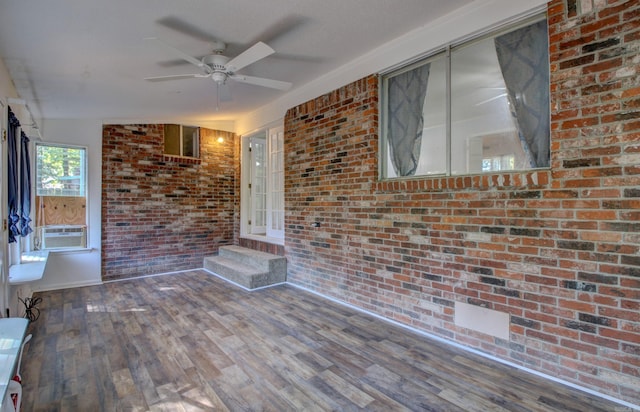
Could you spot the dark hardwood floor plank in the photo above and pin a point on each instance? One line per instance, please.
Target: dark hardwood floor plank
(258, 369)
(346, 389)
(191, 342)
(405, 391)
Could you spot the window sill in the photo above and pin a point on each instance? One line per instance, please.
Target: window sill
(30, 268)
(70, 250)
(527, 179)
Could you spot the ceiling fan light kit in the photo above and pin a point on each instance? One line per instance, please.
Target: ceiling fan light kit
(218, 77)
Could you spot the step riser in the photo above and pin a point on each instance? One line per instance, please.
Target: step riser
(248, 268)
(254, 258)
(249, 281)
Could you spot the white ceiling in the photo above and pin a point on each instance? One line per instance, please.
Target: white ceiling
(81, 59)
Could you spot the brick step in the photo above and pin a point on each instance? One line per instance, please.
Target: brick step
(248, 268)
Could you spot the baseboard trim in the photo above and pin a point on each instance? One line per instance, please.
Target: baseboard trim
(631, 406)
(66, 286)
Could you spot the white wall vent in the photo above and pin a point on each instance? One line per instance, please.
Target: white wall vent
(66, 236)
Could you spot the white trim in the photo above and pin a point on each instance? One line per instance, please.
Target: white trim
(70, 251)
(175, 272)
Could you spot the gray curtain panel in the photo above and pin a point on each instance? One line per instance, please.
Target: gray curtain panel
(406, 96)
(524, 62)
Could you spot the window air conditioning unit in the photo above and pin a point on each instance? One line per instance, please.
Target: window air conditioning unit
(67, 236)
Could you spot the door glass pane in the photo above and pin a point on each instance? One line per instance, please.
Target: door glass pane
(275, 227)
(259, 185)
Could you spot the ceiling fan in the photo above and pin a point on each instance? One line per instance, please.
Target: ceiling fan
(220, 68)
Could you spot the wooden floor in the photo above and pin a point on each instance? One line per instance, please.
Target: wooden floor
(191, 342)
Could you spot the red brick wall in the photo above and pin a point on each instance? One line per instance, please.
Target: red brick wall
(266, 247)
(162, 213)
(558, 249)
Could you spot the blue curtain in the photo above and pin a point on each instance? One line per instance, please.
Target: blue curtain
(523, 55)
(12, 178)
(406, 93)
(18, 181)
(25, 187)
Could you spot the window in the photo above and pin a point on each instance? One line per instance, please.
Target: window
(61, 204)
(477, 107)
(181, 140)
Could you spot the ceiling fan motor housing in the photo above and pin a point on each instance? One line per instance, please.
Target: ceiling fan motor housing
(216, 61)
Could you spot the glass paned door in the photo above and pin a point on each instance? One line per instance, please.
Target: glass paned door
(275, 193)
(258, 185)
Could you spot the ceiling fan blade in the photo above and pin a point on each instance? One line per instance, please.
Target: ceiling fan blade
(181, 26)
(251, 55)
(174, 77)
(180, 53)
(259, 81)
(286, 26)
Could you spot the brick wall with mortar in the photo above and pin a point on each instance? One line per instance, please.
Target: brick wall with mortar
(558, 249)
(266, 247)
(162, 213)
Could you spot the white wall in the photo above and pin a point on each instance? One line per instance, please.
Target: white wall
(7, 90)
(475, 18)
(78, 268)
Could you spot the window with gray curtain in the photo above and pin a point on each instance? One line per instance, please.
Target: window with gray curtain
(481, 106)
(524, 63)
(406, 95)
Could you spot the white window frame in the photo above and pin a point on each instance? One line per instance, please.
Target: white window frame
(84, 193)
(444, 53)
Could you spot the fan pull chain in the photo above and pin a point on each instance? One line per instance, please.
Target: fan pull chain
(217, 96)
